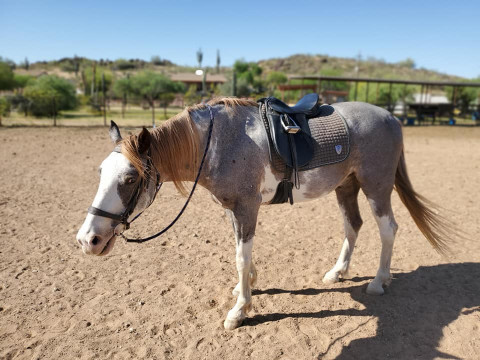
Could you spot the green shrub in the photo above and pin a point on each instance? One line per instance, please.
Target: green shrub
(7, 80)
(21, 81)
(122, 87)
(192, 96)
(87, 75)
(49, 95)
(156, 60)
(83, 100)
(122, 64)
(20, 103)
(4, 106)
(68, 66)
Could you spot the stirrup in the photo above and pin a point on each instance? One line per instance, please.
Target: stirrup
(290, 129)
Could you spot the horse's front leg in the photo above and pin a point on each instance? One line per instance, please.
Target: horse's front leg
(252, 277)
(244, 220)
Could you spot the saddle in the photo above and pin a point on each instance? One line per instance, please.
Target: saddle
(290, 136)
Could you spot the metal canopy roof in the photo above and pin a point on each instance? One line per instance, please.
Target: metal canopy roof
(388, 81)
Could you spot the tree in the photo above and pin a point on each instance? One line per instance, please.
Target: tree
(408, 63)
(4, 108)
(157, 60)
(386, 96)
(20, 102)
(76, 64)
(21, 81)
(92, 86)
(122, 88)
(25, 64)
(463, 97)
(248, 80)
(50, 94)
(9, 62)
(151, 86)
(274, 79)
(192, 96)
(166, 99)
(122, 64)
(7, 81)
(333, 85)
(243, 89)
(199, 57)
(218, 61)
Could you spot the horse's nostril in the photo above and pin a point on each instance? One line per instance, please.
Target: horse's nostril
(94, 241)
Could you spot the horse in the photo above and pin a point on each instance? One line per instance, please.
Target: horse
(238, 173)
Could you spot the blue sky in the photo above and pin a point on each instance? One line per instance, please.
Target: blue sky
(439, 35)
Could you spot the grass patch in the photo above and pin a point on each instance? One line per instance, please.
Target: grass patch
(134, 116)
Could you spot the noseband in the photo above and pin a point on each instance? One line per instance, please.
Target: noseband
(143, 186)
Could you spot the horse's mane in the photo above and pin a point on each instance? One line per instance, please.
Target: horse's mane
(175, 143)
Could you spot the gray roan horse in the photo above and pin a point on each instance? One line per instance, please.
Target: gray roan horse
(238, 173)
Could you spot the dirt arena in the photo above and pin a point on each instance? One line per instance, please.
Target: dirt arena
(167, 299)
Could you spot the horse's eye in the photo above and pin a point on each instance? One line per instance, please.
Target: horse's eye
(130, 180)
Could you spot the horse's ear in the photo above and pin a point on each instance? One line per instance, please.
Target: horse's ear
(114, 132)
(144, 141)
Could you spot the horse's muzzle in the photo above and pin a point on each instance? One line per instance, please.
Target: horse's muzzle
(95, 244)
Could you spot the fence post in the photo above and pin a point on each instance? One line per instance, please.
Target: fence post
(54, 111)
(104, 101)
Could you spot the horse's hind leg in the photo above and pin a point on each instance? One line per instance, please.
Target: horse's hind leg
(382, 210)
(347, 195)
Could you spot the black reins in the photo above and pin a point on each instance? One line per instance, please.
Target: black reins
(143, 184)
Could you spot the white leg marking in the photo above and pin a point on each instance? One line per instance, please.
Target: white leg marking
(341, 266)
(253, 280)
(343, 262)
(253, 275)
(244, 301)
(388, 228)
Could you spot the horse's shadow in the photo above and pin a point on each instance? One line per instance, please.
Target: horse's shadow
(411, 315)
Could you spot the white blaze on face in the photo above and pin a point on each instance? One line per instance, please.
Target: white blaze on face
(107, 199)
(113, 169)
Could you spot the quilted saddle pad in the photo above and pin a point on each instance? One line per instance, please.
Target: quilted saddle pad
(331, 140)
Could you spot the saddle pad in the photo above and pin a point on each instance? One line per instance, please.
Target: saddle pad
(331, 140)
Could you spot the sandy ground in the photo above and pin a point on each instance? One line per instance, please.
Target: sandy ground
(167, 299)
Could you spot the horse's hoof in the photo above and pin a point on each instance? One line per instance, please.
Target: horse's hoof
(330, 278)
(232, 324)
(375, 289)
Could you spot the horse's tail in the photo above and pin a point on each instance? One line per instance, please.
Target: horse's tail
(437, 229)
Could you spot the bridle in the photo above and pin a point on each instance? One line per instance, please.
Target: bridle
(142, 186)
